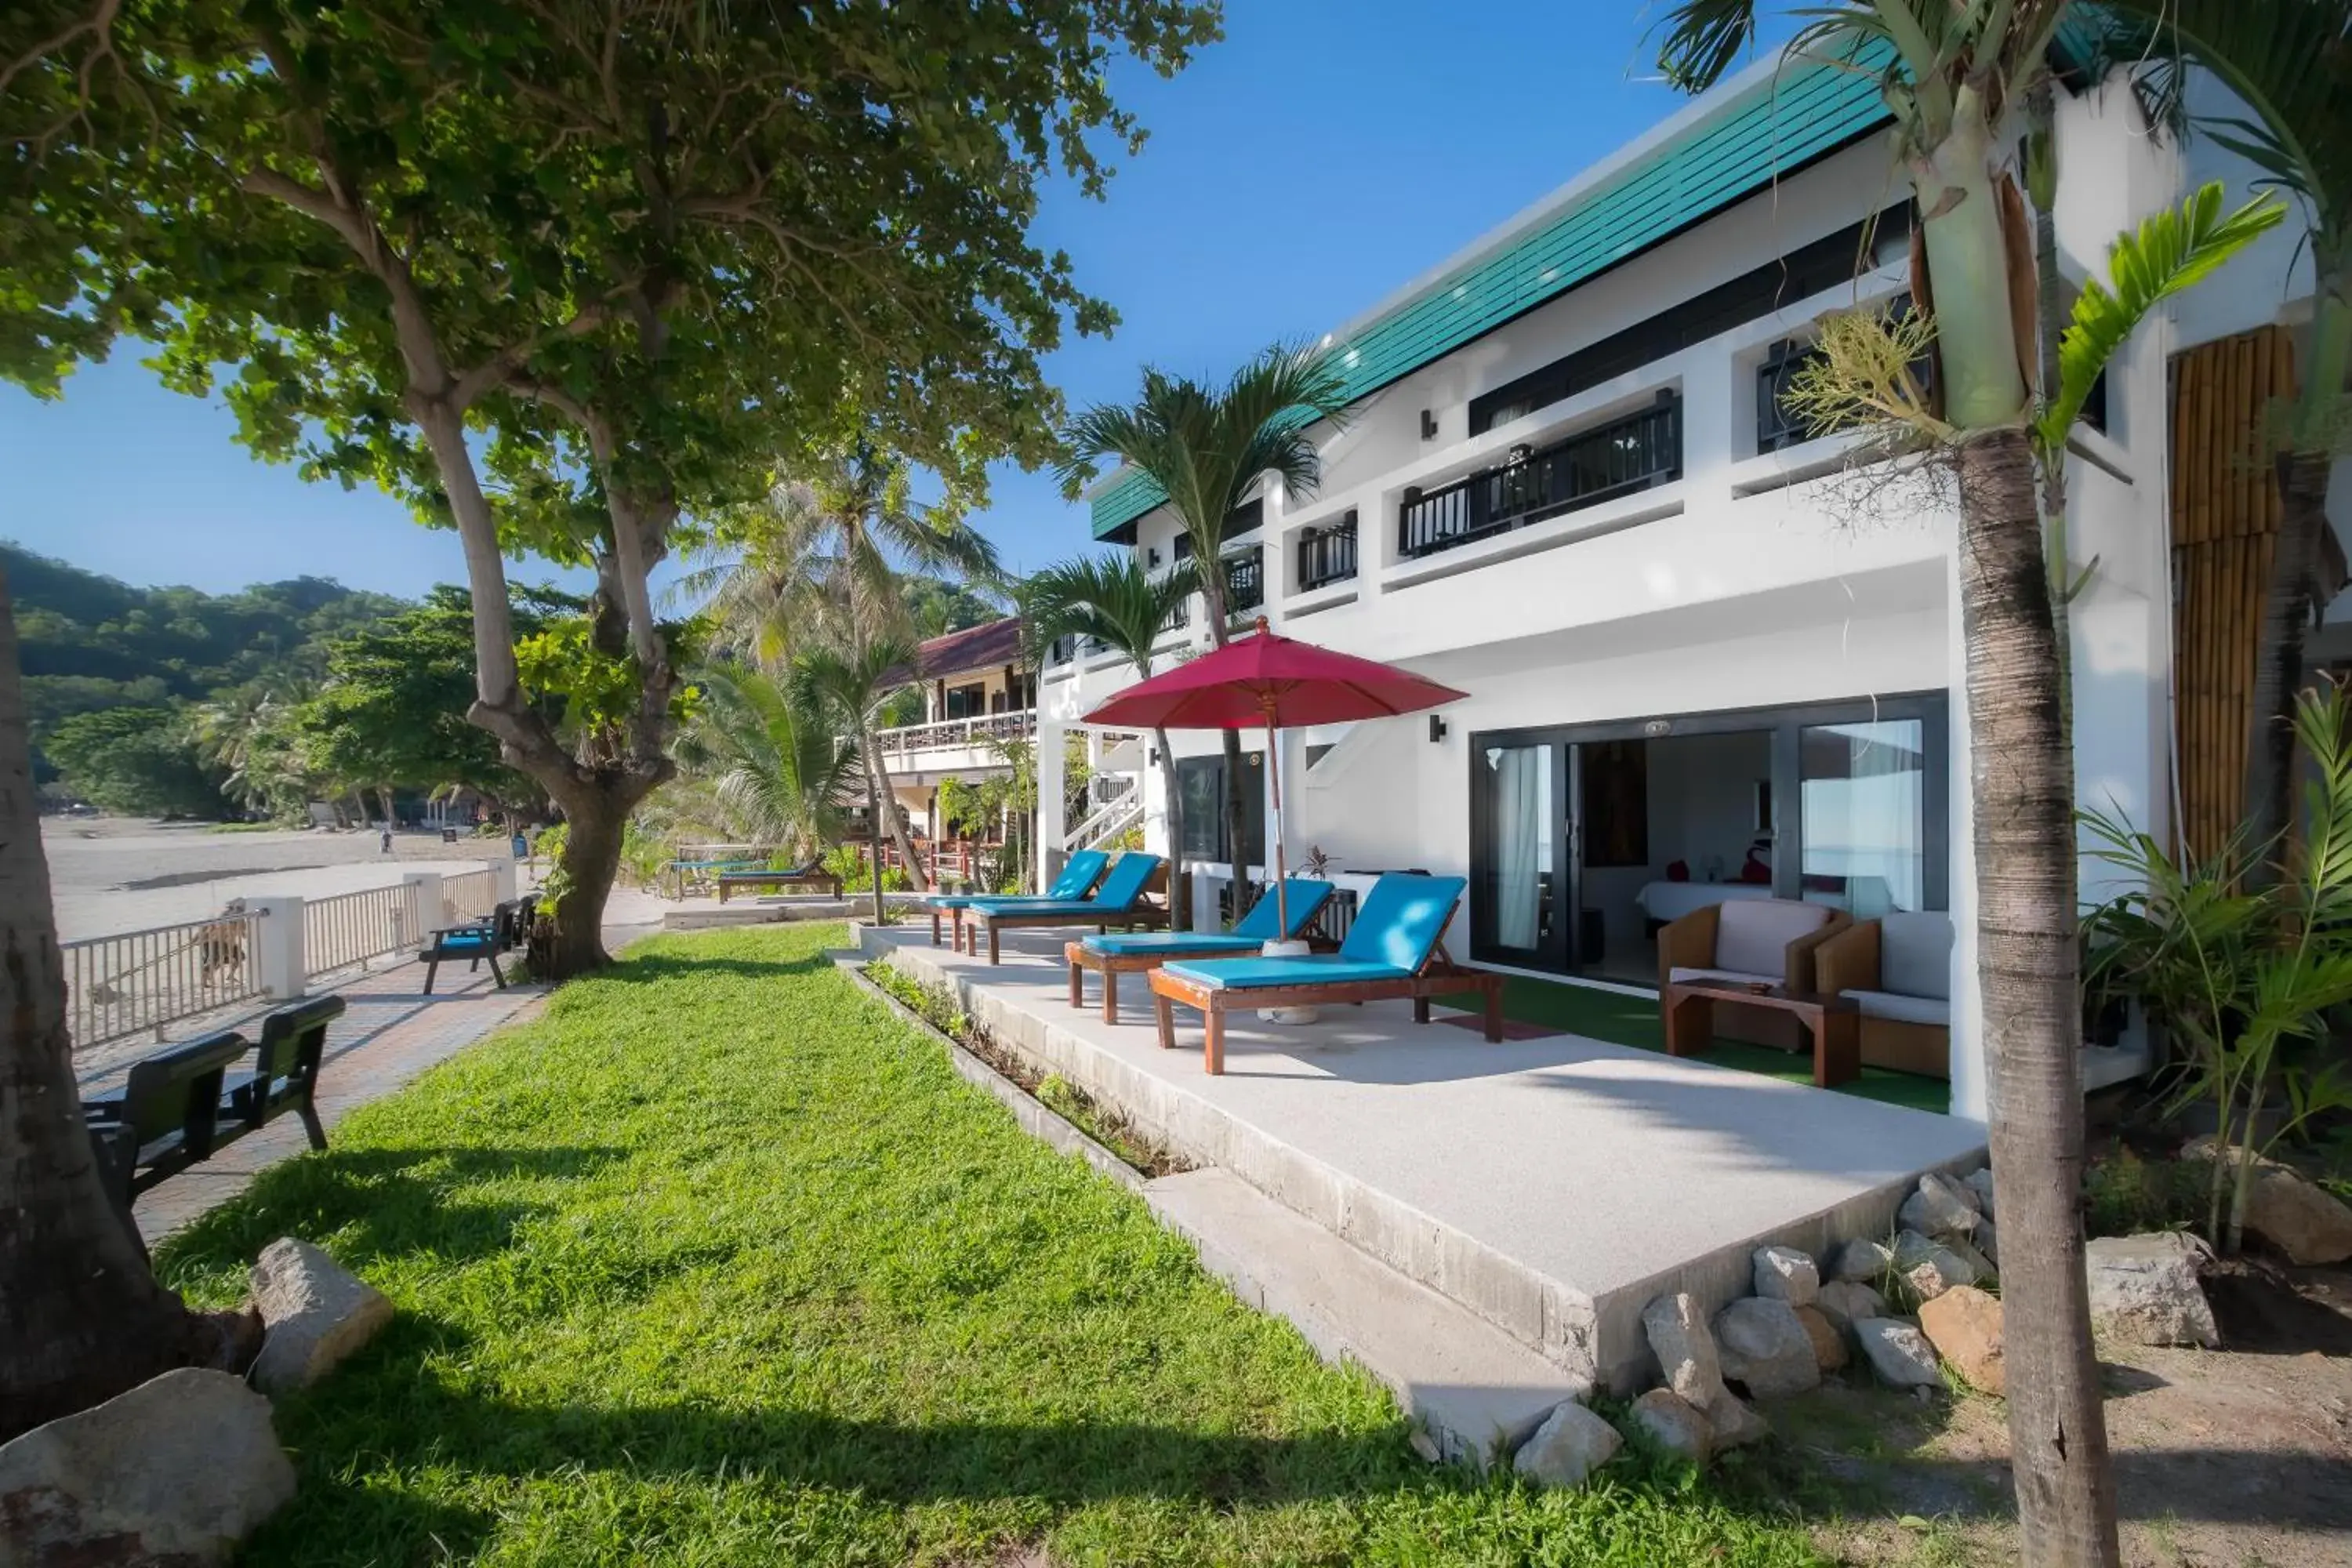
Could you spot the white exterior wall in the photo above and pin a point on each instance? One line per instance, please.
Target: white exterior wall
(1752, 581)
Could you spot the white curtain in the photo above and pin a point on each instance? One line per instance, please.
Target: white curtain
(1520, 789)
(1867, 826)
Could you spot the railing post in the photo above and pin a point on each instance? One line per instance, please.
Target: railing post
(502, 880)
(277, 940)
(423, 911)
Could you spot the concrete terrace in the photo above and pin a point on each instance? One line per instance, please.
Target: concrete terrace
(1553, 1185)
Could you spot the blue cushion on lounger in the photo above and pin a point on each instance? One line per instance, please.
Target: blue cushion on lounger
(1307, 898)
(464, 939)
(1402, 919)
(1256, 974)
(1076, 876)
(1131, 943)
(1119, 890)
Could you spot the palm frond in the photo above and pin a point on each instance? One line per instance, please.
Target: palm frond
(2171, 250)
(1703, 38)
(1109, 598)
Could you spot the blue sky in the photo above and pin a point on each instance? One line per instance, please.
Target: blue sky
(1326, 153)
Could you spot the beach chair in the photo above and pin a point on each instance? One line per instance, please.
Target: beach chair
(1396, 948)
(478, 941)
(1113, 953)
(1080, 874)
(1118, 901)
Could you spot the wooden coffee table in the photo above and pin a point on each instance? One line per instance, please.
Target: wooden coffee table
(1834, 1023)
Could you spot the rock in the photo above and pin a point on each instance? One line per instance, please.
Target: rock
(1734, 1425)
(1785, 1273)
(1862, 1258)
(1764, 1346)
(1964, 1325)
(178, 1470)
(1980, 1183)
(1970, 1253)
(1941, 1206)
(1829, 1342)
(1669, 1421)
(1567, 1447)
(1899, 1353)
(1425, 1446)
(2305, 1224)
(1685, 1350)
(2143, 1289)
(1929, 1266)
(1843, 1300)
(317, 1313)
(1987, 1241)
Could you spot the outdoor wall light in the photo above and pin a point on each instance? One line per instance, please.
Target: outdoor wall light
(1436, 730)
(1428, 426)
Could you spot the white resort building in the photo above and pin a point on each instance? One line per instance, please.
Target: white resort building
(1699, 668)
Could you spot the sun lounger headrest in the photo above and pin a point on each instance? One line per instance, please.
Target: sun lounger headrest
(1402, 918)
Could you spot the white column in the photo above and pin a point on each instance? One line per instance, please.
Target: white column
(502, 879)
(284, 971)
(1051, 853)
(424, 911)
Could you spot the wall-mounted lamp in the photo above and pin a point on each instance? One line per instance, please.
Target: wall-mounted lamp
(1428, 426)
(1152, 556)
(1436, 730)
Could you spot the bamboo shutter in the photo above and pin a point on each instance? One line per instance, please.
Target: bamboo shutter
(2225, 517)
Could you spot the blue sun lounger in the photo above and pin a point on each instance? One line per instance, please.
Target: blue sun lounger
(1120, 900)
(1113, 953)
(1078, 875)
(1396, 948)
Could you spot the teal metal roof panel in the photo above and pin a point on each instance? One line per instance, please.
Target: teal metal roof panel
(1786, 121)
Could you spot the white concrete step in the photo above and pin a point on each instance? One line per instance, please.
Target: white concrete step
(1473, 1387)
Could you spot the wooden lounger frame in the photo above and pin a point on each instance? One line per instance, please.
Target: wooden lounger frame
(1438, 977)
(820, 882)
(1140, 915)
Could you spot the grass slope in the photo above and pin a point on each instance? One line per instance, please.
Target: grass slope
(716, 1262)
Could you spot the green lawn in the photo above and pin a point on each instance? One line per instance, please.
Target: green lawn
(718, 1263)
(1634, 1021)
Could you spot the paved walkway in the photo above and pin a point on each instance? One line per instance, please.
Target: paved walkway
(391, 1033)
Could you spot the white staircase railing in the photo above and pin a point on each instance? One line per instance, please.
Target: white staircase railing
(1106, 822)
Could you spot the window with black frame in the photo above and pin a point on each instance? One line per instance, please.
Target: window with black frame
(1201, 789)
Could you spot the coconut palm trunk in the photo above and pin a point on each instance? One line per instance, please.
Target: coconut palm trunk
(1214, 589)
(878, 773)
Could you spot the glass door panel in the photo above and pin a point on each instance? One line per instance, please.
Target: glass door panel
(1863, 794)
(1516, 912)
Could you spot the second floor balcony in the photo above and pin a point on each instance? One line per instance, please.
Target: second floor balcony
(1633, 453)
(932, 743)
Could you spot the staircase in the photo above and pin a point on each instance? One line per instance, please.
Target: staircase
(1106, 821)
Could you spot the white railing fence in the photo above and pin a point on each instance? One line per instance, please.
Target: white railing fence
(116, 986)
(351, 928)
(981, 728)
(1107, 822)
(469, 896)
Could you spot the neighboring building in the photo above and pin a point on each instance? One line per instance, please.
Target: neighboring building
(1567, 486)
(977, 691)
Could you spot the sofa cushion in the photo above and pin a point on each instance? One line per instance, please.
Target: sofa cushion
(1888, 1004)
(1753, 935)
(1680, 976)
(1915, 953)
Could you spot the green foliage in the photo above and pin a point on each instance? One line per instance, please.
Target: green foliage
(855, 866)
(2124, 1194)
(139, 761)
(715, 1261)
(773, 755)
(2171, 250)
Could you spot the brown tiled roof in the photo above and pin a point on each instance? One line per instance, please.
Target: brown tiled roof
(991, 646)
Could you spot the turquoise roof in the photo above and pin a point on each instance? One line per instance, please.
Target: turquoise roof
(1780, 123)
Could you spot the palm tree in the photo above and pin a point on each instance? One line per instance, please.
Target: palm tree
(856, 676)
(1204, 446)
(2290, 62)
(822, 559)
(1950, 73)
(773, 755)
(1115, 601)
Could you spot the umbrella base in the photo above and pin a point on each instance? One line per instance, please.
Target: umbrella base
(1288, 1015)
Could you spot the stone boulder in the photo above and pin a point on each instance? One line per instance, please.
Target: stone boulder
(1986, 1239)
(1764, 1347)
(2143, 1289)
(176, 1471)
(1843, 1300)
(1567, 1447)
(1785, 1273)
(1941, 1206)
(1667, 1420)
(1829, 1342)
(1678, 1335)
(1980, 1183)
(1734, 1424)
(1964, 1325)
(1899, 1353)
(1929, 1266)
(1861, 1260)
(316, 1312)
(2303, 1223)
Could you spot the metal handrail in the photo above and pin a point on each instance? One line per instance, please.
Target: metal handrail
(117, 986)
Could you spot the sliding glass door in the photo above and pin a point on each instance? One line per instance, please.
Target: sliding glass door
(1518, 824)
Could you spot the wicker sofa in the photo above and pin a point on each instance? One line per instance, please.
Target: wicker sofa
(1898, 970)
(1767, 940)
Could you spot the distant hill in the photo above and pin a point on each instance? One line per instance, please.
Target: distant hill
(88, 643)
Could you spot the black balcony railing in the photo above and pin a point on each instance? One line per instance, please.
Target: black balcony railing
(1326, 554)
(1617, 458)
(1776, 423)
(1070, 649)
(1245, 581)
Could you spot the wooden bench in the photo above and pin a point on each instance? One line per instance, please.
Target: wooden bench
(823, 882)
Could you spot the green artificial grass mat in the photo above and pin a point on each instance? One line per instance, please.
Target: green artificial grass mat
(1625, 1020)
(718, 1262)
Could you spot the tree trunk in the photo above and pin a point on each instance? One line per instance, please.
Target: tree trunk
(1213, 601)
(2289, 604)
(1179, 886)
(384, 795)
(594, 822)
(81, 1315)
(873, 844)
(878, 775)
(2021, 785)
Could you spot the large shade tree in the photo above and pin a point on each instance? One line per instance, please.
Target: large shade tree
(1207, 446)
(566, 277)
(1953, 76)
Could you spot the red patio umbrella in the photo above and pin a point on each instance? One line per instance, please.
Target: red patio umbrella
(1279, 682)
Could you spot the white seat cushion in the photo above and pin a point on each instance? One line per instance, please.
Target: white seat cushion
(1753, 937)
(1719, 977)
(1931, 1010)
(1915, 953)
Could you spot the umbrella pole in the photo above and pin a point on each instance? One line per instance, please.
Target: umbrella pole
(1281, 871)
